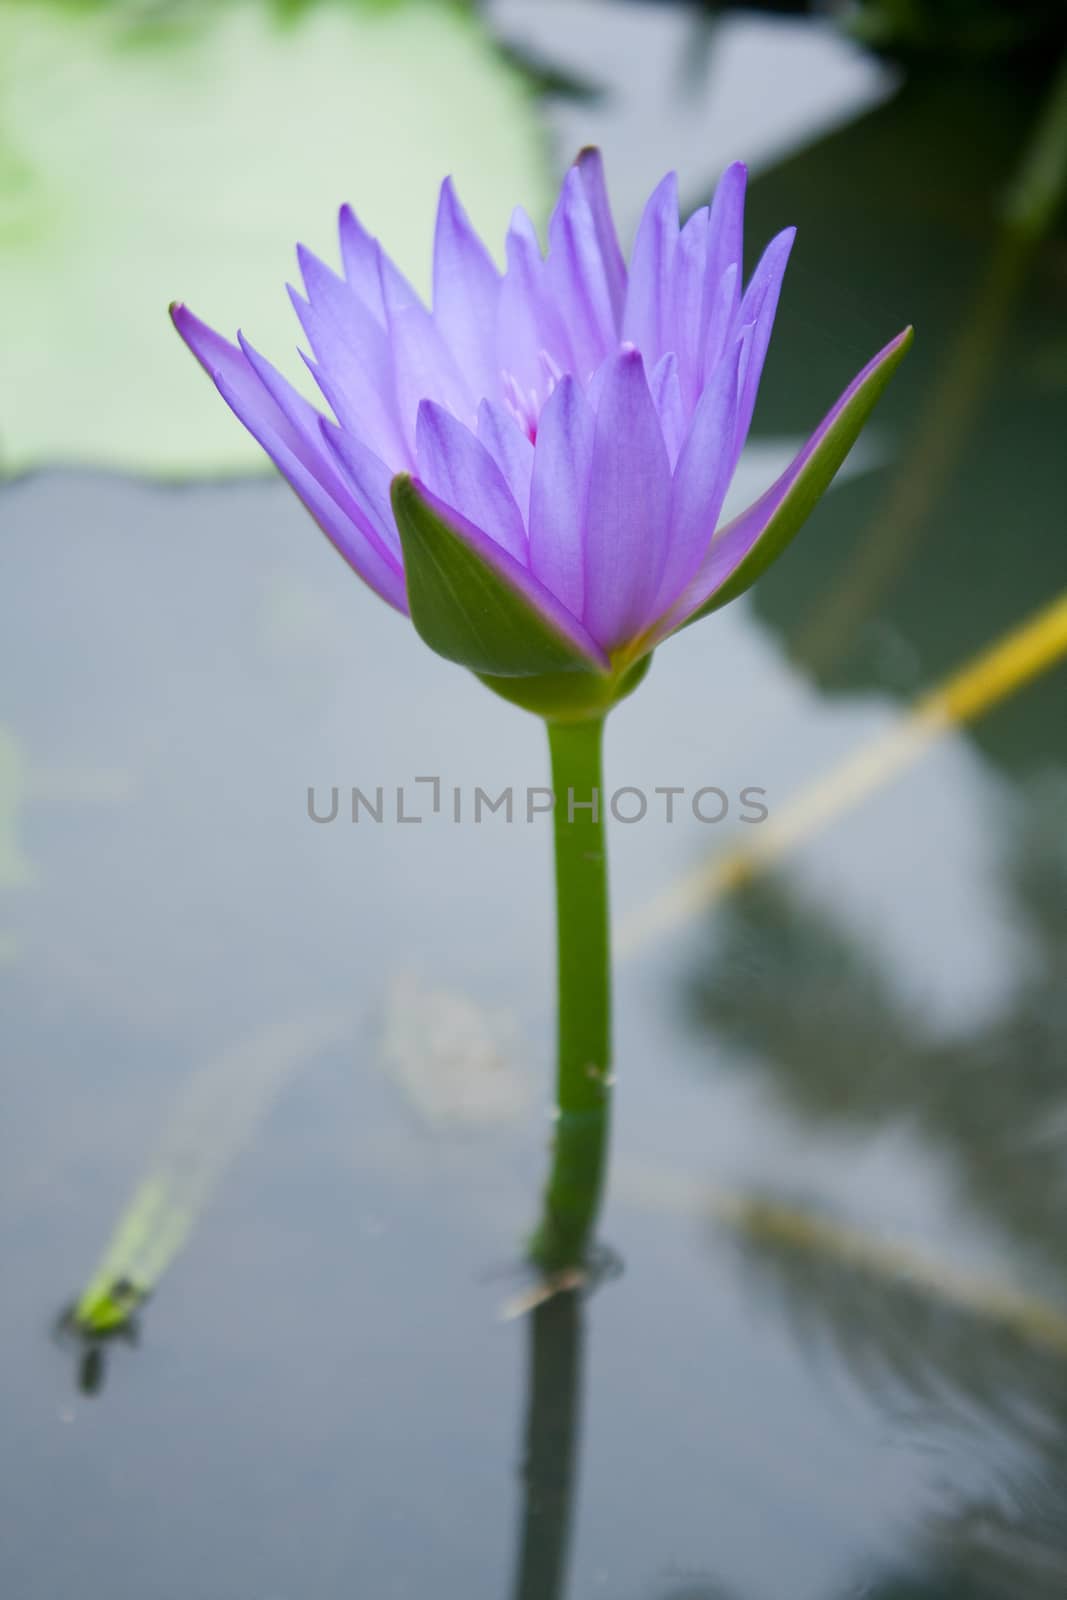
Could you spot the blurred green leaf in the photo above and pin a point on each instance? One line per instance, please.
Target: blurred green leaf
(159, 151)
(979, 28)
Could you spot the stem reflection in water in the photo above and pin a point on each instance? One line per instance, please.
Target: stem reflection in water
(549, 1468)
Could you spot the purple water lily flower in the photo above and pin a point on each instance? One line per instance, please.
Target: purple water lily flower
(535, 467)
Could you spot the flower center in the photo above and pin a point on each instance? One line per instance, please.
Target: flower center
(526, 405)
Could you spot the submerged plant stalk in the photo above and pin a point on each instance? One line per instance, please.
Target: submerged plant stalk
(583, 1081)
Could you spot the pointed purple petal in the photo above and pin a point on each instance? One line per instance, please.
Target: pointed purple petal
(287, 428)
(343, 312)
(722, 313)
(590, 165)
(466, 288)
(365, 263)
(726, 228)
(423, 367)
(686, 304)
(311, 428)
(701, 480)
(260, 387)
(563, 460)
(368, 479)
(510, 449)
(456, 467)
(217, 355)
(348, 386)
(645, 316)
(733, 543)
(758, 306)
(300, 413)
(595, 388)
(352, 366)
(354, 541)
(628, 507)
(359, 257)
(528, 321)
(666, 393)
(518, 575)
(577, 280)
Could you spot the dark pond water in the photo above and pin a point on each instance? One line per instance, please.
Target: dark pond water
(830, 1356)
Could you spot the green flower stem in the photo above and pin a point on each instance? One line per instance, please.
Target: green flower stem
(583, 1084)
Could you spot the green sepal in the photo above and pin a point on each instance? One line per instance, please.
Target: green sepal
(467, 610)
(569, 696)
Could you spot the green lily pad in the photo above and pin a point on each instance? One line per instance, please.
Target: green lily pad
(181, 153)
